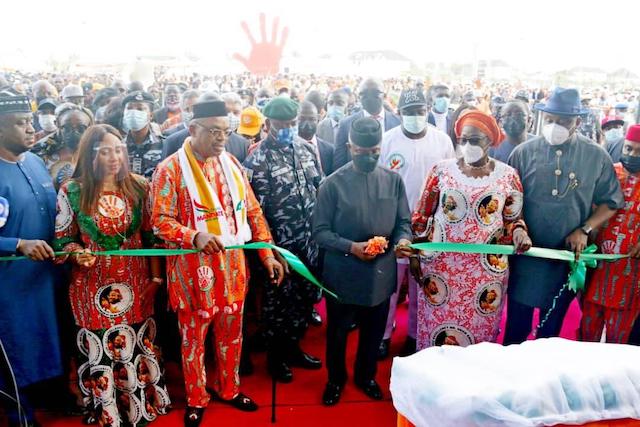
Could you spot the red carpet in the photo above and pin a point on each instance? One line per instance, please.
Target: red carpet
(299, 403)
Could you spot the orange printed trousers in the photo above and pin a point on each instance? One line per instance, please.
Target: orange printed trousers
(227, 343)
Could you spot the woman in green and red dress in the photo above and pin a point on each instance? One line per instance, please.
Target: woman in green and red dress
(105, 207)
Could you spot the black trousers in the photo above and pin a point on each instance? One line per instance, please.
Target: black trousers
(372, 322)
(520, 316)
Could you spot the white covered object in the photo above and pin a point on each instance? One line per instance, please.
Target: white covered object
(542, 382)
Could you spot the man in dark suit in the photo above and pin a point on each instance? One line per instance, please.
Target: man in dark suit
(438, 97)
(237, 145)
(349, 212)
(307, 128)
(372, 96)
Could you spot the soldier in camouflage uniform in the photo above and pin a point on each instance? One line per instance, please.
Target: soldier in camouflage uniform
(285, 174)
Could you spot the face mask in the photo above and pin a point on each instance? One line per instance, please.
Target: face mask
(335, 112)
(186, 117)
(307, 130)
(372, 104)
(234, 122)
(47, 122)
(366, 162)
(441, 104)
(555, 134)
(285, 136)
(630, 163)
(135, 120)
(514, 126)
(414, 124)
(471, 153)
(613, 135)
(71, 139)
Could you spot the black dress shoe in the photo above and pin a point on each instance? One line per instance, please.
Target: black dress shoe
(331, 394)
(300, 359)
(281, 372)
(383, 350)
(409, 347)
(193, 416)
(241, 402)
(371, 389)
(315, 318)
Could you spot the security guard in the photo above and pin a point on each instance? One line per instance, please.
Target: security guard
(285, 174)
(144, 139)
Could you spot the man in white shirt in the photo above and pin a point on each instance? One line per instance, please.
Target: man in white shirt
(411, 150)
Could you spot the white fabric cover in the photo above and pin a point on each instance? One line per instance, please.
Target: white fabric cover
(542, 382)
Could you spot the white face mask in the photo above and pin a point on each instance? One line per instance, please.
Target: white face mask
(613, 135)
(47, 122)
(414, 124)
(471, 153)
(555, 134)
(135, 120)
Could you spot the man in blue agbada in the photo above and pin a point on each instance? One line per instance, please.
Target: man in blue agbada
(28, 323)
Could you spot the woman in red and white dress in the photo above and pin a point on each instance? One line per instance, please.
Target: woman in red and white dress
(473, 199)
(104, 207)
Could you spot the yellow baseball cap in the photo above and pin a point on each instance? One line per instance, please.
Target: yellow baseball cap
(250, 121)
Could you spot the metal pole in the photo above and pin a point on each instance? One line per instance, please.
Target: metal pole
(273, 399)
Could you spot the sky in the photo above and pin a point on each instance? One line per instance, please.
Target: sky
(535, 35)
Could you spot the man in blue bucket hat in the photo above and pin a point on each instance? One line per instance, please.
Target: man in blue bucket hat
(570, 188)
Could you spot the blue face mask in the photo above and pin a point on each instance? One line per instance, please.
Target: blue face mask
(335, 112)
(285, 136)
(441, 104)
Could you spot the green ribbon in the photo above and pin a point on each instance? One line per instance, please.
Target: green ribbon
(576, 280)
(577, 273)
(296, 264)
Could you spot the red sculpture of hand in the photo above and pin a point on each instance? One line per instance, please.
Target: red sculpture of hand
(264, 58)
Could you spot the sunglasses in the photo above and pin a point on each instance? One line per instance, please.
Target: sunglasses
(473, 140)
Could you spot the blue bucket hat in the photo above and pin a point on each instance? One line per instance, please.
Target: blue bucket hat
(563, 102)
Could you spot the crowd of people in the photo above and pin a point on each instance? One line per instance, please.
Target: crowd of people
(346, 173)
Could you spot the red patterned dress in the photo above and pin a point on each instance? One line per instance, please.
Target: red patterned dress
(612, 297)
(119, 373)
(461, 295)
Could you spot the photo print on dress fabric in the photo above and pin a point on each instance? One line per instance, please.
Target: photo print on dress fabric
(451, 334)
(119, 342)
(435, 290)
(454, 205)
(114, 300)
(488, 298)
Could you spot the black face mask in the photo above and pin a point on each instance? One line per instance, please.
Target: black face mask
(306, 130)
(366, 162)
(371, 104)
(630, 163)
(514, 126)
(71, 139)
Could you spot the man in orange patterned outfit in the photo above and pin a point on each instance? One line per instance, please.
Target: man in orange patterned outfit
(203, 200)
